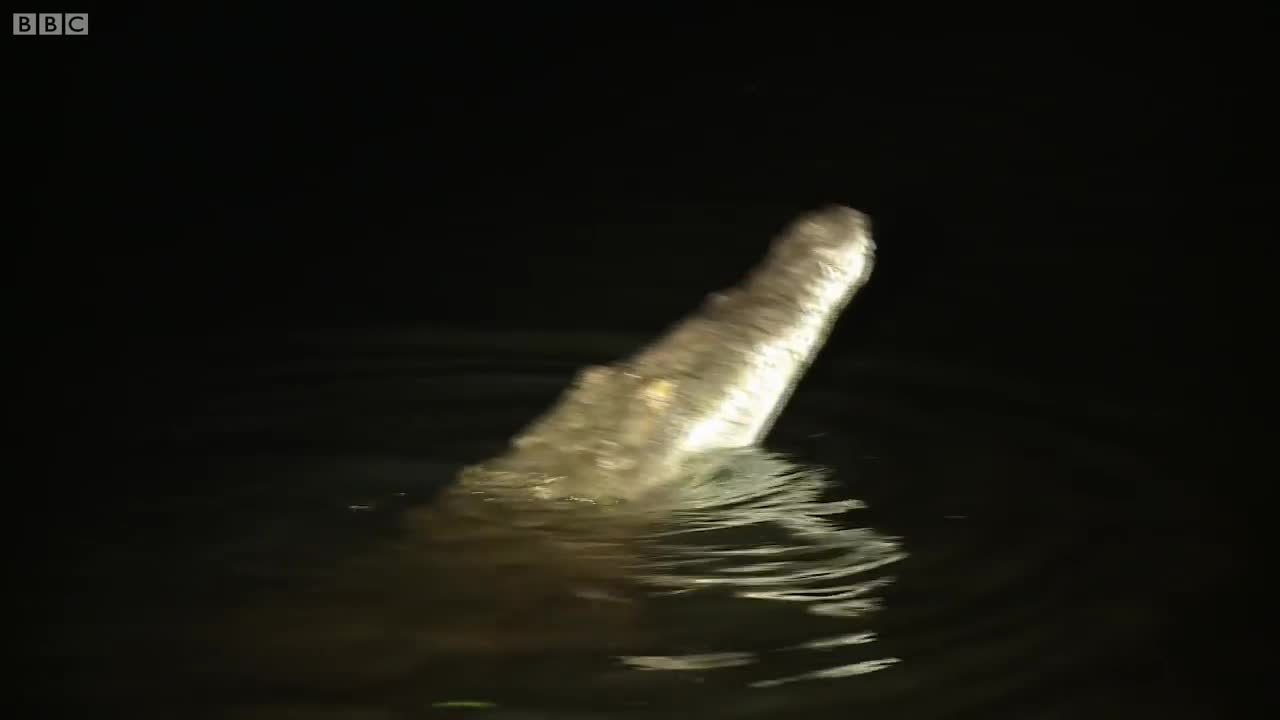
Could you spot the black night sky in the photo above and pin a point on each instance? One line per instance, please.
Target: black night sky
(1072, 210)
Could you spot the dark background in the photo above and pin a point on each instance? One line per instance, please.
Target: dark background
(1078, 210)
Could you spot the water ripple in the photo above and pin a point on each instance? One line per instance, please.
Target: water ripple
(975, 549)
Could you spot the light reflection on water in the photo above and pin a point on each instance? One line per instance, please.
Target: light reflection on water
(759, 529)
(292, 557)
(760, 572)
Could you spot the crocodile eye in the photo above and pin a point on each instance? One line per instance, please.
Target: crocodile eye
(659, 392)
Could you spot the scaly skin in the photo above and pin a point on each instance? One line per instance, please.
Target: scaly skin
(716, 380)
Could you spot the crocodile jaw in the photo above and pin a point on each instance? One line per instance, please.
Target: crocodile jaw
(716, 380)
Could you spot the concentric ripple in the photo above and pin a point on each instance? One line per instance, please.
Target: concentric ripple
(929, 545)
(759, 529)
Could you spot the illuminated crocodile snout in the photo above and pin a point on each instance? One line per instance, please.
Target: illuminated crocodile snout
(717, 380)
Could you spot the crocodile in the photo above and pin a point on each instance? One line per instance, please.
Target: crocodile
(717, 380)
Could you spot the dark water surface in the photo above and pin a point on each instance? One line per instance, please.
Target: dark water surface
(280, 549)
(1033, 498)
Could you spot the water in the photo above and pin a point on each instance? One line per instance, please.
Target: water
(931, 542)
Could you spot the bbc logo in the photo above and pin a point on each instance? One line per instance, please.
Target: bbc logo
(51, 23)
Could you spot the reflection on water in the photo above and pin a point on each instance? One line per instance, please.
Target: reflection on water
(298, 552)
(759, 529)
(491, 580)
